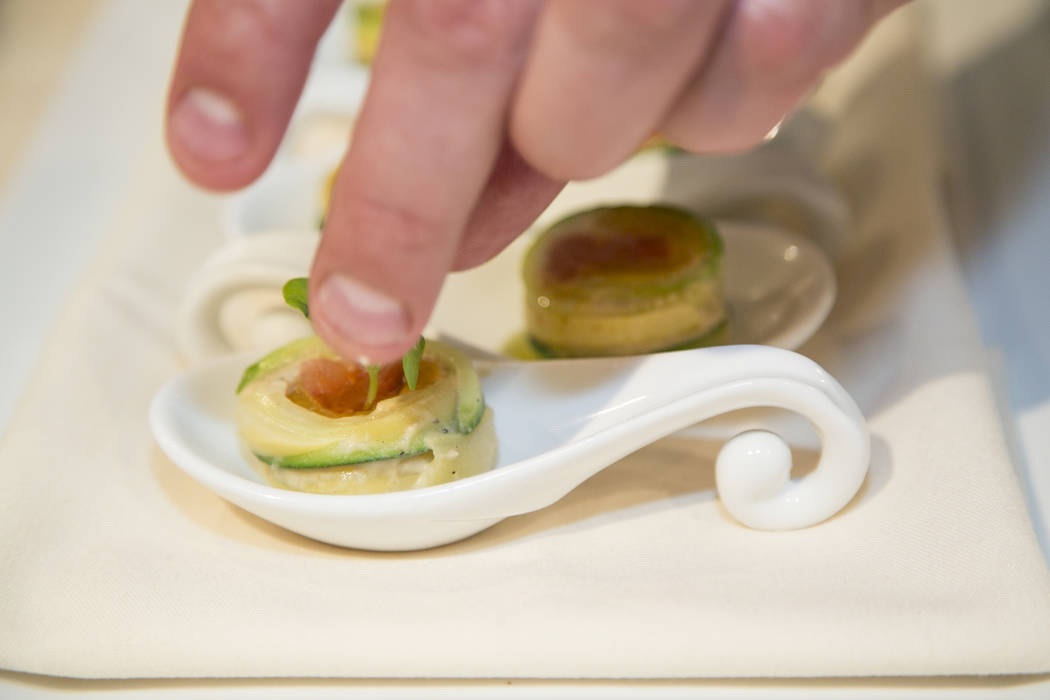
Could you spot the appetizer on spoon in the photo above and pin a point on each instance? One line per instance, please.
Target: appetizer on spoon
(311, 421)
(557, 423)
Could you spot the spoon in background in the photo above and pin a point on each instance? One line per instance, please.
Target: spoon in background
(558, 423)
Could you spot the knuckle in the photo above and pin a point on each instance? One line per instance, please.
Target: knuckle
(238, 22)
(627, 27)
(471, 30)
(796, 39)
(393, 227)
(233, 32)
(655, 16)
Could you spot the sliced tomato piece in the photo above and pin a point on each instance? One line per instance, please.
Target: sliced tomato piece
(333, 387)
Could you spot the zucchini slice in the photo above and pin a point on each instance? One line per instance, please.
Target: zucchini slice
(367, 25)
(624, 280)
(434, 433)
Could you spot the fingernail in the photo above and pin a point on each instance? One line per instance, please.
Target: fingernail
(360, 313)
(209, 125)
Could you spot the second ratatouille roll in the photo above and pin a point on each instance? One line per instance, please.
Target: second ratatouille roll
(625, 280)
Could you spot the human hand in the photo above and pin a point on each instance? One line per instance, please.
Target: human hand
(477, 113)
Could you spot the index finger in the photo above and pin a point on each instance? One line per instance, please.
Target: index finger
(428, 135)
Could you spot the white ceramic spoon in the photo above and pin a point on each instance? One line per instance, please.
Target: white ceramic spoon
(558, 423)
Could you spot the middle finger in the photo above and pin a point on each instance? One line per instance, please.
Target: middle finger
(600, 75)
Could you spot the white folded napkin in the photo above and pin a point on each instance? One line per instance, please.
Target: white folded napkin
(115, 564)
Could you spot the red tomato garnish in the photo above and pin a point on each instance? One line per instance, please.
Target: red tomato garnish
(340, 388)
(584, 253)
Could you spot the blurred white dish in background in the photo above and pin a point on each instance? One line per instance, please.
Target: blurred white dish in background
(779, 286)
(234, 302)
(290, 196)
(768, 185)
(322, 124)
(778, 182)
(558, 422)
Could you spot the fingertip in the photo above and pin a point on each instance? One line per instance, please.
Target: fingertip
(238, 75)
(360, 321)
(721, 138)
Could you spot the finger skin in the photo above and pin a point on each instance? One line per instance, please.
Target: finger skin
(428, 136)
(250, 57)
(768, 59)
(514, 196)
(600, 77)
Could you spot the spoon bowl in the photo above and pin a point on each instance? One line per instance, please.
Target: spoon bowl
(558, 423)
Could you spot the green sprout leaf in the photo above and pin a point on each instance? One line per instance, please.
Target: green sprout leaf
(249, 374)
(297, 294)
(410, 363)
(373, 384)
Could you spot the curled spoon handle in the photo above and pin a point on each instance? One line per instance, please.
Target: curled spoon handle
(654, 396)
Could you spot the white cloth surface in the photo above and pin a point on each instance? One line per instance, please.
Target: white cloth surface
(115, 564)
